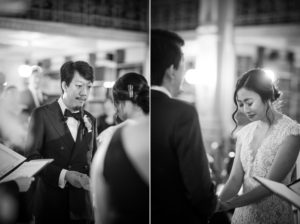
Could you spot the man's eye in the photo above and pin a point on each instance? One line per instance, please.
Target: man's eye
(79, 86)
(249, 104)
(241, 105)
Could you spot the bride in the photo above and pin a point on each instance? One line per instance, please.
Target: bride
(267, 147)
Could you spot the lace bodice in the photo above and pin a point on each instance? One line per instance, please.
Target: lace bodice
(258, 163)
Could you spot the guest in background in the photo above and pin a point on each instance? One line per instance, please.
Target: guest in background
(2, 82)
(32, 97)
(13, 125)
(108, 118)
(10, 98)
(13, 194)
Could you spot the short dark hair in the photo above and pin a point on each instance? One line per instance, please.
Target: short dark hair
(68, 69)
(165, 51)
(257, 81)
(133, 87)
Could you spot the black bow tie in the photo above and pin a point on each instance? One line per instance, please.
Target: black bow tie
(76, 115)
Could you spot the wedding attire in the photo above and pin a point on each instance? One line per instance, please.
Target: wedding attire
(128, 192)
(71, 145)
(271, 209)
(115, 182)
(181, 187)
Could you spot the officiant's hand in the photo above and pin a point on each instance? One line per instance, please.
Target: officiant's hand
(24, 183)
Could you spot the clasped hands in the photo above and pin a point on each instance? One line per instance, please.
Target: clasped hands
(77, 179)
(223, 206)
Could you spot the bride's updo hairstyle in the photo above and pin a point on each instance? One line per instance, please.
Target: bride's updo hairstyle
(256, 80)
(132, 87)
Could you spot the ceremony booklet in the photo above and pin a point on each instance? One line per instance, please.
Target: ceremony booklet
(14, 165)
(289, 193)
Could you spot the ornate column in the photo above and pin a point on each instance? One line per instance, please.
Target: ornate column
(216, 75)
(215, 67)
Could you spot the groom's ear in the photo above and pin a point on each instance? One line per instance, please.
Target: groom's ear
(64, 86)
(170, 73)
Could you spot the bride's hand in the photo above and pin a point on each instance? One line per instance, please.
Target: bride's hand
(222, 206)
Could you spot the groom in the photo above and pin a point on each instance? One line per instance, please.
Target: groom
(65, 132)
(181, 187)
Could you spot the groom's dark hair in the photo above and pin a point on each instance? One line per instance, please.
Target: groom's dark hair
(165, 51)
(68, 69)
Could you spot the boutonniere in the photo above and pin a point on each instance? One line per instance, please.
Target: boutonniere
(87, 123)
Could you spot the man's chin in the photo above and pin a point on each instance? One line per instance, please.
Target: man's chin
(76, 108)
(81, 103)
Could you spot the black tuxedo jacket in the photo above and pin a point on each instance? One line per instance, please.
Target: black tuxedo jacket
(49, 137)
(181, 187)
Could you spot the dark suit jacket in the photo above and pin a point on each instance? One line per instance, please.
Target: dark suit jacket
(181, 187)
(51, 138)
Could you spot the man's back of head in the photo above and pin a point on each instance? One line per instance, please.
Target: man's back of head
(165, 52)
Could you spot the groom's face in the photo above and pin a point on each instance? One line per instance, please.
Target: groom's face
(77, 92)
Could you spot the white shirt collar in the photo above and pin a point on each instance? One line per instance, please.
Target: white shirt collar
(62, 105)
(71, 122)
(162, 89)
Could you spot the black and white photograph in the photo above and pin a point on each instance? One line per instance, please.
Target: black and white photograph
(149, 111)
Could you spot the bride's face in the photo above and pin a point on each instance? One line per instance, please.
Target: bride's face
(251, 104)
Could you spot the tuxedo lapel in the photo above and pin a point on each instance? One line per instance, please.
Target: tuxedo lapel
(56, 119)
(83, 145)
(89, 136)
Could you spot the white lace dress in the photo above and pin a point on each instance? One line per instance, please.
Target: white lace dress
(271, 209)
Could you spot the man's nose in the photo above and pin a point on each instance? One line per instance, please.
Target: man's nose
(84, 91)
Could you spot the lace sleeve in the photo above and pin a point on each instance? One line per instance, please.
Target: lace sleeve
(293, 129)
(242, 134)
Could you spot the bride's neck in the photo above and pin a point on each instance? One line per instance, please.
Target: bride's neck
(271, 117)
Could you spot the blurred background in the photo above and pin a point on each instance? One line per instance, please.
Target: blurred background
(224, 39)
(38, 36)
(110, 35)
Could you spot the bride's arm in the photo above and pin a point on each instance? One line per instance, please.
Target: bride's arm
(282, 165)
(235, 179)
